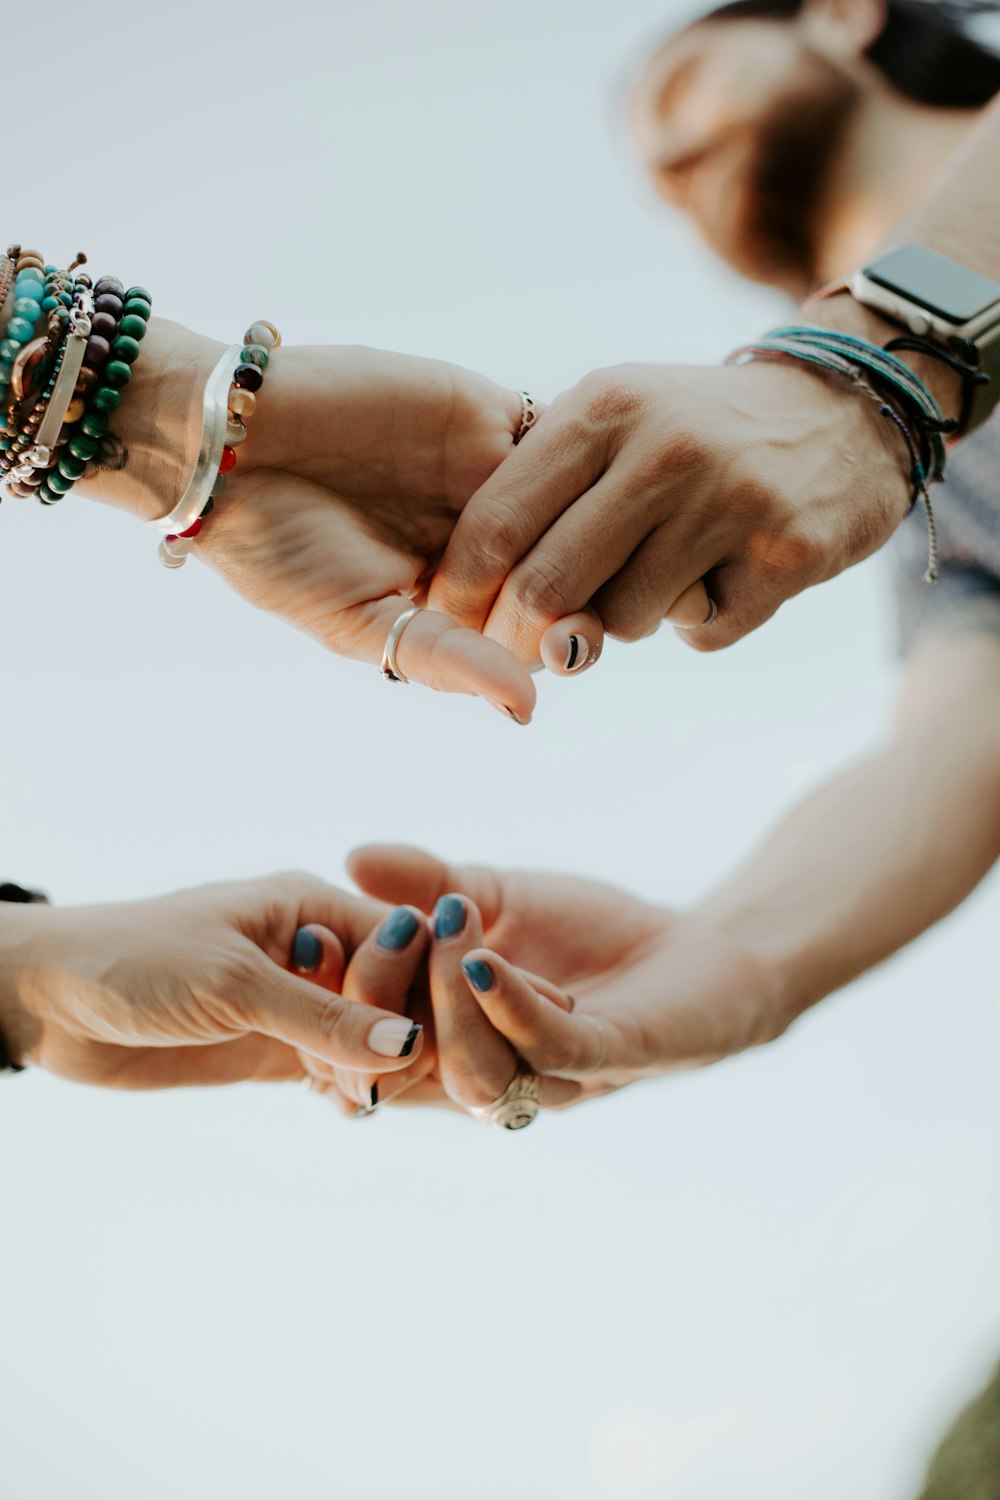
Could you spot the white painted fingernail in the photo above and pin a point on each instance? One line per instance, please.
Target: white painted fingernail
(394, 1038)
(577, 653)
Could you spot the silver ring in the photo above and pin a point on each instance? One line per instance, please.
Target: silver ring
(529, 415)
(518, 1104)
(388, 668)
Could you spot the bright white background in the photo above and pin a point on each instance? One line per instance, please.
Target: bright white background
(771, 1280)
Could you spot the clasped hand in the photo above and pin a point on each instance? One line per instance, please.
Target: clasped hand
(705, 497)
(430, 1000)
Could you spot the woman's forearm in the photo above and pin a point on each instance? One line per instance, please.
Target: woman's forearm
(888, 849)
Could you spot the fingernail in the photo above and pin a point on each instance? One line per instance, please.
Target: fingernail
(394, 1038)
(509, 713)
(478, 973)
(572, 1003)
(368, 1109)
(449, 917)
(577, 654)
(398, 929)
(307, 951)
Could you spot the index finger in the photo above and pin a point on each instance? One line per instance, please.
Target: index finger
(543, 476)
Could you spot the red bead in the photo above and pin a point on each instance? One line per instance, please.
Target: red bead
(191, 531)
(228, 460)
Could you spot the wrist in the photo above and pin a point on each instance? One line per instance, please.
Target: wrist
(788, 982)
(158, 423)
(844, 315)
(21, 928)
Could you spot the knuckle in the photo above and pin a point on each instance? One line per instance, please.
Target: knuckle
(499, 534)
(790, 554)
(542, 589)
(609, 396)
(684, 452)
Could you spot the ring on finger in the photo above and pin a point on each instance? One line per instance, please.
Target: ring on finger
(517, 1106)
(713, 613)
(529, 416)
(388, 667)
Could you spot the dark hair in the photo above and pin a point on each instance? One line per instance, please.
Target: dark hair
(925, 49)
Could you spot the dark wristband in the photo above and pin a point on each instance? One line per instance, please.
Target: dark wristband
(11, 892)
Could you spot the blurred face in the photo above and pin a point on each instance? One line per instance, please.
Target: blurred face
(739, 124)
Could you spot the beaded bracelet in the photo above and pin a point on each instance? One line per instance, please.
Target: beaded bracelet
(107, 370)
(38, 425)
(26, 310)
(58, 396)
(230, 398)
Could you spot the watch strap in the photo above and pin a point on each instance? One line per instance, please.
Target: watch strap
(983, 397)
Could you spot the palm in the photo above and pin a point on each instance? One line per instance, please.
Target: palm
(359, 465)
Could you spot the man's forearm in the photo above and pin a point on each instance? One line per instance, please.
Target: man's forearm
(881, 854)
(960, 217)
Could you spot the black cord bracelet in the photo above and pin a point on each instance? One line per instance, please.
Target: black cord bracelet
(11, 892)
(971, 375)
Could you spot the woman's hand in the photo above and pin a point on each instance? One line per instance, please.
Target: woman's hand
(356, 467)
(193, 988)
(629, 990)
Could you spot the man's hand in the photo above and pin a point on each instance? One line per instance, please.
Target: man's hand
(649, 491)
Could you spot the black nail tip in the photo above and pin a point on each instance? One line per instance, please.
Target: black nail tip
(572, 1002)
(574, 651)
(411, 1040)
(373, 1097)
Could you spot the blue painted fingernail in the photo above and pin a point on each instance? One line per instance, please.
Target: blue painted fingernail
(398, 930)
(449, 917)
(479, 974)
(307, 951)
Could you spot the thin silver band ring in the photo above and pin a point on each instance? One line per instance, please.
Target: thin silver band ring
(388, 667)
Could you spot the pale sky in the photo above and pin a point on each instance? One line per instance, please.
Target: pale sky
(773, 1279)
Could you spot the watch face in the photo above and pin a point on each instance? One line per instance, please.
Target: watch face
(935, 282)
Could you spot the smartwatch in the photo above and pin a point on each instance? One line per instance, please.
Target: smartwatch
(938, 299)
